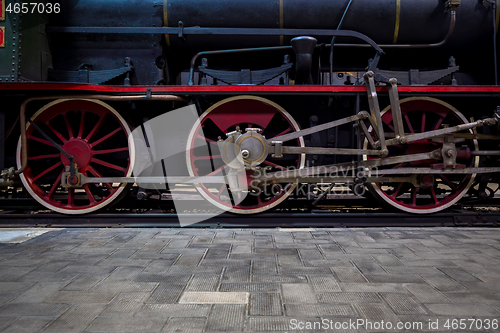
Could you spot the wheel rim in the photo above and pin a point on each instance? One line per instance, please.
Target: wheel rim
(439, 191)
(98, 138)
(223, 117)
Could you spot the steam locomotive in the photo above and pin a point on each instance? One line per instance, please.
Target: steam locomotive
(398, 99)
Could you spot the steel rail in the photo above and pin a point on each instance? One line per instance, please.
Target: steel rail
(316, 219)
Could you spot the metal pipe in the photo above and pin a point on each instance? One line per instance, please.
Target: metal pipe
(22, 114)
(340, 33)
(451, 29)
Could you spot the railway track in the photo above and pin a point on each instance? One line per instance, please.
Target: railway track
(321, 218)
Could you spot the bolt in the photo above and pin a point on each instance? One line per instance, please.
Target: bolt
(245, 153)
(450, 153)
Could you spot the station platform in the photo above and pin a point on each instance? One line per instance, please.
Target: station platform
(250, 280)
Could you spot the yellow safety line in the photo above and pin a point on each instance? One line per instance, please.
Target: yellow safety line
(165, 21)
(398, 19)
(282, 20)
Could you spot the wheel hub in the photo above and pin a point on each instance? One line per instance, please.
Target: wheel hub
(246, 150)
(80, 151)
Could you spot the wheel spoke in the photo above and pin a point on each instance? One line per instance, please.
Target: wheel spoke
(82, 125)
(104, 138)
(448, 182)
(109, 151)
(41, 157)
(89, 194)
(56, 132)
(414, 196)
(218, 170)
(198, 136)
(95, 129)
(96, 173)
(220, 191)
(210, 157)
(433, 193)
(47, 171)
(438, 124)
(409, 124)
(424, 114)
(71, 197)
(396, 190)
(45, 142)
(289, 129)
(68, 126)
(55, 185)
(274, 165)
(108, 165)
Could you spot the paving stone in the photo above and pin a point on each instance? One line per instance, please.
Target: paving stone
(458, 274)
(241, 248)
(226, 317)
(372, 287)
(305, 270)
(261, 267)
(463, 309)
(443, 283)
(252, 256)
(126, 324)
(188, 270)
(387, 260)
(394, 278)
(125, 304)
(236, 274)
(251, 287)
(32, 309)
(482, 298)
(369, 267)
(121, 287)
(175, 310)
(76, 318)
(125, 274)
(269, 324)
(303, 310)
(285, 260)
(324, 283)
(348, 274)
(280, 278)
(39, 292)
(376, 312)
(297, 293)
(349, 297)
(188, 260)
(181, 325)
(27, 325)
(268, 304)
(328, 263)
(425, 293)
(85, 282)
(166, 293)
(311, 254)
(207, 297)
(5, 322)
(226, 262)
(204, 283)
(81, 297)
(403, 304)
(163, 278)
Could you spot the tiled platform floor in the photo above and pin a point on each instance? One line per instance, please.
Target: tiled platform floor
(262, 280)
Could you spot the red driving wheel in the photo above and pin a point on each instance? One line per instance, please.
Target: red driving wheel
(99, 140)
(222, 118)
(429, 193)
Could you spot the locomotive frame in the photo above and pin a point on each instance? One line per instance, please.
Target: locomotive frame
(403, 154)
